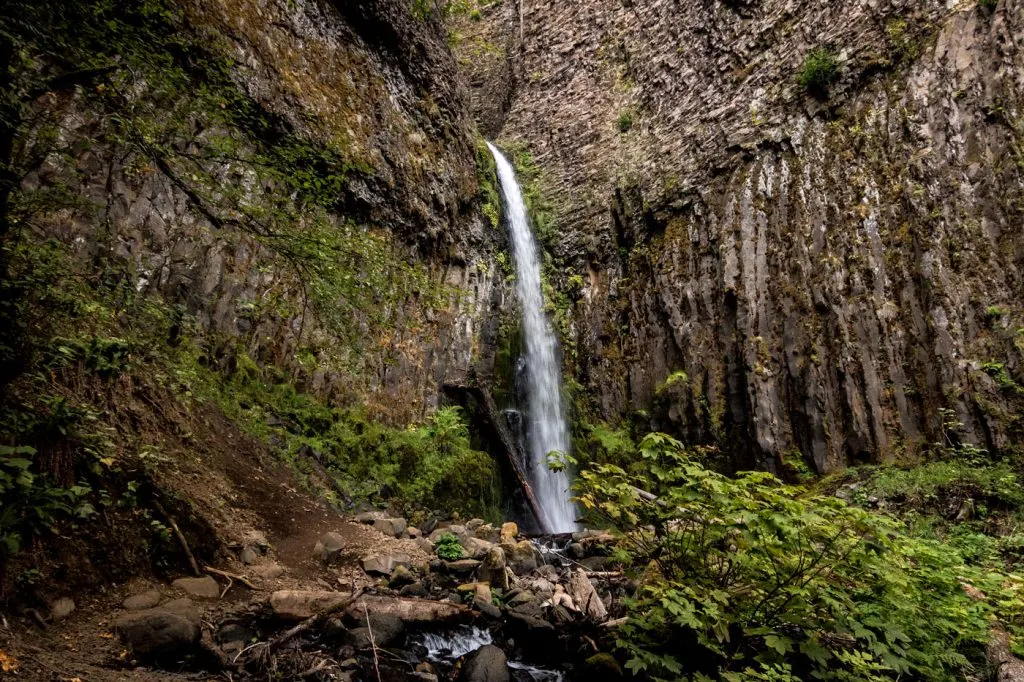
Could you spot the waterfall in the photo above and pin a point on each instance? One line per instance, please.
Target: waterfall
(546, 429)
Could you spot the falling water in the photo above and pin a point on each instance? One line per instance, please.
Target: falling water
(546, 428)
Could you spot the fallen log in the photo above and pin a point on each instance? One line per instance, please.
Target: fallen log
(312, 622)
(488, 410)
(409, 610)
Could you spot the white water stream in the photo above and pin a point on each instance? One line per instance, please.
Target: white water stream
(546, 428)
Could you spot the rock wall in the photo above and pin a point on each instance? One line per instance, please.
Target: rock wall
(831, 275)
(376, 81)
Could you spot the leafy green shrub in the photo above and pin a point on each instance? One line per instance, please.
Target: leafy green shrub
(819, 72)
(749, 579)
(448, 548)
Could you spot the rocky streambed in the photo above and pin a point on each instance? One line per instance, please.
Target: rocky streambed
(510, 608)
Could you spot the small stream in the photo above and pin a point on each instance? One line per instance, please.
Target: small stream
(445, 647)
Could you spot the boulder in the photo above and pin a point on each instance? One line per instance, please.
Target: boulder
(416, 589)
(62, 608)
(203, 588)
(328, 548)
(248, 556)
(576, 550)
(462, 566)
(413, 532)
(302, 604)
(385, 629)
(542, 587)
(233, 638)
(473, 524)
(493, 568)
(458, 531)
(603, 666)
(476, 548)
(142, 600)
(426, 545)
(401, 576)
(548, 572)
(509, 532)
(487, 532)
(256, 540)
(524, 597)
(585, 596)
(384, 564)
(167, 632)
(486, 664)
(391, 527)
(530, 625)
(369, 517)
(522, 557)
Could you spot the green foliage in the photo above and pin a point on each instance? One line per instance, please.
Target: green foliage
(448, 547)
(625, 121)
(746, 578)
(820, 70)
(531, 183)
(486, 175)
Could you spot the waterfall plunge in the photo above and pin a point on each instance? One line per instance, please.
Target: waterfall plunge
(545, 419)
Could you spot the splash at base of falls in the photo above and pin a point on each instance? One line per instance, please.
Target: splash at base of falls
(447, 646)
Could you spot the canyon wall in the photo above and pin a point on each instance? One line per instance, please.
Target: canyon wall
(837, 278)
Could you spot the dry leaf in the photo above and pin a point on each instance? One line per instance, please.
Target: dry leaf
(8, 664)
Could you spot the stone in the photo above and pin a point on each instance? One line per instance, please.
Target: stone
(248, 556)
(416, 589)
(542, 587)
(576, 550)
(369, 517)
(493, 569)
(384, 564)
(482, 591)
(234, 638)
(486, 664)
(385, 629)
(425, 545)
(548, 572)
(487, 608)
(522, 557)
(328, 548)
(531, 626)
(391, 527)
(524, 597)
(401, 576)
(489, 533)
(170, 631)
(473, 524)
(603, 666)
(267, 571)
(476, 548)
(462, 566)
(459, 532)
(509, 532)
(301, 604)
(413, 532)
(256, 540)
(203, 588)
(585, 596)
(62, 608)
(142, 600)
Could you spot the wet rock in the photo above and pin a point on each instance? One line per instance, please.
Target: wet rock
(171, 631)
(527, 624)
(301, 604)
(576, 550)
(328, 548)
(62, 608)
(585, 596)
(384, 564)
(597, 563)
(509, 532)
(493, 569)
(542, 587)
(384, 628)
(142, 600)
(548, 572)
(462, 566)
(486, 664)
(203, 588)
(394, 527)
(524, 597)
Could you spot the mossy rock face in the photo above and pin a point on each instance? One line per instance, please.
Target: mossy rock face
(603, 666)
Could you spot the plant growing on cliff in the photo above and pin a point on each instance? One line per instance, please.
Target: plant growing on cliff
(746, 578)
(820, 70)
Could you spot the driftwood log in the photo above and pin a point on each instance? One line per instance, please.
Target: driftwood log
(488, 412)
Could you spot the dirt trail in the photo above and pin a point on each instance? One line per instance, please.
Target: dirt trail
(237, 488)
